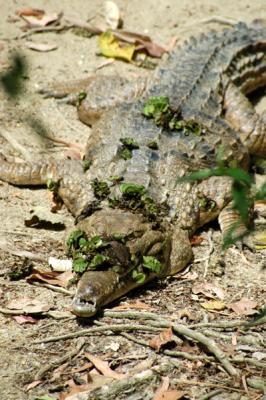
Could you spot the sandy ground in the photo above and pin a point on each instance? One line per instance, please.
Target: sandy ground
(26, 121)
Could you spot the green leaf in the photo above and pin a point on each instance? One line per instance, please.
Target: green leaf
(155, 106)
(153, 145)
(80, 97)
(129, 143)
(138, 277)
(241, 201)
(80, 265)
(237, 174)
(111, 47)
(86, 165)
(152, 264)
(115, 178)
(52, 185)
(98, 260)
(100, 189)
(74, 237)
(132, 189)
(126, 153)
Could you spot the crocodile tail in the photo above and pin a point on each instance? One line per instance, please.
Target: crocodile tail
(27, 173)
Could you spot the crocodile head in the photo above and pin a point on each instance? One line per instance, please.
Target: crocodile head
(97, 288)
(166, 243)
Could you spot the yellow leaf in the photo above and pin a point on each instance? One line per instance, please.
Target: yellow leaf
(214, 305)
(111, 47)
(260, 240)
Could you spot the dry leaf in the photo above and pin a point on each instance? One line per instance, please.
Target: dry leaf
(103, 367)
(196, 240)
(28, 305)
(138, 305)
(111, 47)
(112, 15)
(244, 306)
(164, 337)
(213, 305)
(42, 47)
(142, 41)
(209, 290)
(77, 392)
(58, 372)
(40, 20)
(28, 11)
(170, 395)
(162, 388)
(51, 277)
(24, 319)
(32, 385)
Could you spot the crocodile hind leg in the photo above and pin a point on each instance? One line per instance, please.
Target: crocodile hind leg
(73, 185)
(100, 92)
(242, 116)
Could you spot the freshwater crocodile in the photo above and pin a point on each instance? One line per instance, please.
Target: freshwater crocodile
(206, 81)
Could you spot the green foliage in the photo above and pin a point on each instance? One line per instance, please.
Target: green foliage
(129, 144)
(242, 185)
(100, 189)
(86, 165)
(153, 145)
(132, 189)
(52, 185)
(138, 277)
(155, 106)
(74, 238)
(98, 260)
(164, 115)
(80, 264)
(152, 264)
(115, 178)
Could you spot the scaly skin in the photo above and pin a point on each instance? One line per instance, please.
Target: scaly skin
(206, 81)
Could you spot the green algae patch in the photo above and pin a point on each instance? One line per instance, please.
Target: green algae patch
(100, 189)
(129, 144)
(52, 185)
(159, 109)
(86, 164)
(132, 189)
(155, 106)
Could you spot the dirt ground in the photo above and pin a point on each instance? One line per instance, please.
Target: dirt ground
(62, 365)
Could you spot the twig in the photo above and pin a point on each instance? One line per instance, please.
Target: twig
(97, 329)
(257, 383)
(188, 356)
(248, 339)
(228, 324)
(54, 288)
(211, 394)
(184, 331)
(207, 384)
(210, 344)
(54, 364)
(142, 382)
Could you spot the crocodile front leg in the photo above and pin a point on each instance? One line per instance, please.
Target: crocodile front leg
(101, 92)
(73, 186)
